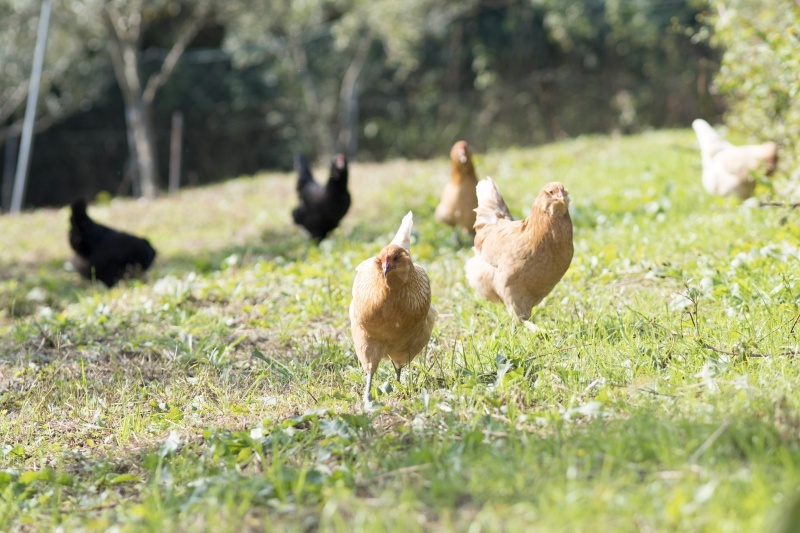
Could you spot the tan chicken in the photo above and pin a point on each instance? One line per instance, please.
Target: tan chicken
(519, 263)
(457, 205)
(728, 169)
(391, 313)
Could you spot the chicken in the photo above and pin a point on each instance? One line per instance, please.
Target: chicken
(391, 313)
(727, 169)
(520, 262)
(321, 207)
(457, 205)
(103, 253)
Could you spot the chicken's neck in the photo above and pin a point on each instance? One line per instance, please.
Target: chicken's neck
(395, 282)
(463, 174)
(413, 293)
(540, 225)
(337, 185)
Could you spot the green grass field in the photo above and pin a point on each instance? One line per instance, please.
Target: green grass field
(222, 392)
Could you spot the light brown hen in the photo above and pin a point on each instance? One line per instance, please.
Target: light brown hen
(391, 313)
(459, 200)
(520, 262)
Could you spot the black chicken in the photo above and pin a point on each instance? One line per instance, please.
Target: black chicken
(321, 207)
(103, 253)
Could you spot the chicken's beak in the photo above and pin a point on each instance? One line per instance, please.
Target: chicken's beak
(387, 267)
(561, 196)
(462, 156)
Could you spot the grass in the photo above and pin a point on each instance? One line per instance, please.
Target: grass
(222, 392)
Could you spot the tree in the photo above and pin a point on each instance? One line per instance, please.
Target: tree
(72, 78)
(320, 51)
(64, 86)
(299, 75)
(638, 50)
(123, 24)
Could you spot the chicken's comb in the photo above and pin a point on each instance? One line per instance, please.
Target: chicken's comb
(403, 237)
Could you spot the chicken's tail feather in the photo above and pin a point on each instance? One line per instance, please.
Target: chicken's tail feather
(303, 169)
(79, 224)
(491, 206)
(79, 215)
(403, 237)
(710, 141)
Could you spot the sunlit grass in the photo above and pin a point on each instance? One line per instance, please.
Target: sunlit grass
(222, 392)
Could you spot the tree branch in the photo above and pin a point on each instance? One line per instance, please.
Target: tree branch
(115, 49)
(175, 53)
(779, 204)
(112, 17)
(135, 21)
(348, 87)
(313, 116)
(357, 64)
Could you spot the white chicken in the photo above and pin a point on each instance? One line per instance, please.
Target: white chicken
(728, 169)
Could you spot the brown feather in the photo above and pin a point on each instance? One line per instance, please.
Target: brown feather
(391, 313)
(519, 262)
(458, 201)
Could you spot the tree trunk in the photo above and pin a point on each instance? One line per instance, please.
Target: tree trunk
(125, 59)
(125, 56)
(348, 97)
(140, 127)
(175, 149)
(348, 137)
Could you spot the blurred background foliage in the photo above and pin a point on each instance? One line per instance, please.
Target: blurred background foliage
(258, 81)
(760, 70)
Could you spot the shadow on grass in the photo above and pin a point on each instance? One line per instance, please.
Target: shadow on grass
(288, 244)
(27, 286)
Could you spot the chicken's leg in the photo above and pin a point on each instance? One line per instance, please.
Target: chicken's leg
(457, 236)
(367, 390)
(397, 370)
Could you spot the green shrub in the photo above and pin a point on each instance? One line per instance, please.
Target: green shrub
(759, 71)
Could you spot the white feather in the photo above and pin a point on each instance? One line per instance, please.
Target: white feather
(727, 168)
(491, 207)
(711, 143)
(403, 237)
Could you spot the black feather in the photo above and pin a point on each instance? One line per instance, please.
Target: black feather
(303, 169)
(321, 207)
(103, 253)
